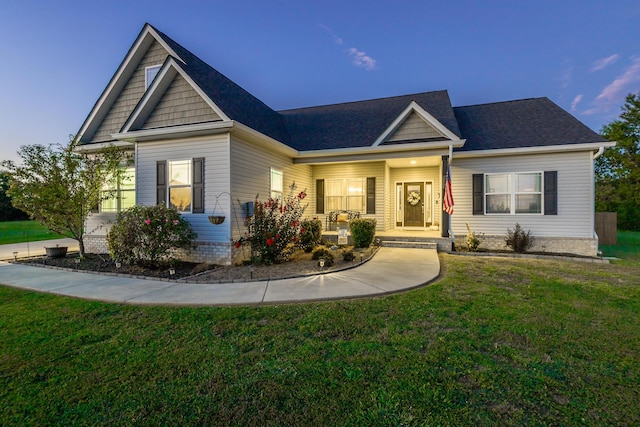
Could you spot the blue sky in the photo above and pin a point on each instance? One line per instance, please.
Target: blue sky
(57, 57)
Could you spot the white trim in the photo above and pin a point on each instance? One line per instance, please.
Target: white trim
(123, 73)
(513, 193)
(589, 146)
(99, 146)
(263, 140)
(180, 131)
(381, 149)
(414, 107)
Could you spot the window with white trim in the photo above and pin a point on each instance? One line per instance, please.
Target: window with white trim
(345, 193)
(277, 184)
(179, 185)
(149, 74)
(124, 193)
(513, 193)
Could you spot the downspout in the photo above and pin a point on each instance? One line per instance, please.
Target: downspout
(598, 153)
(595, 235)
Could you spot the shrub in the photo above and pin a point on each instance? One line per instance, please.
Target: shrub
(148, 235)
(348, 255)
(323, 253)
(362, 231)
(310, 234)
(518, 240)
(473, 239)
(274, 228)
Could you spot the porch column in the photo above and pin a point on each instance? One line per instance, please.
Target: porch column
(444, 223)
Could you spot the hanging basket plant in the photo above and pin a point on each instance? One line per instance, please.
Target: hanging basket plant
(216, 219)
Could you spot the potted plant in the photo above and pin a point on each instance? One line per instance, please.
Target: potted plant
(56, 251)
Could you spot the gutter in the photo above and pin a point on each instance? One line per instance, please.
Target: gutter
(598, 153)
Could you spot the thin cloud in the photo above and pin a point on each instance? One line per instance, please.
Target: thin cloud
(576, 101)
(336, 39)
(614, 93)
(361, 59)
(603, 63)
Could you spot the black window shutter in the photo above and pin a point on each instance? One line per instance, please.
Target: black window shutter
(161, 182)
(478, 194)
(198, 185)
(551, 192)
(319, 196)
(371, 195)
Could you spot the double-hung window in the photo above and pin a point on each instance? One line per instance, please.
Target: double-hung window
(180, 185)
(123, 194)
(345, 193)
(513, 193)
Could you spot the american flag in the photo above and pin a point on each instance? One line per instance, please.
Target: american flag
(447, 204)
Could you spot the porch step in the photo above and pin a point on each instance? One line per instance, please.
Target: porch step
(409, 244)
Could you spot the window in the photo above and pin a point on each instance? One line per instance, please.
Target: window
(150, 74)
(180, 185)
(277, 184)
(346, 194)
(515, 193)
(125, 193)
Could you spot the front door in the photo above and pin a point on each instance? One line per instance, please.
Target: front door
(414, 204)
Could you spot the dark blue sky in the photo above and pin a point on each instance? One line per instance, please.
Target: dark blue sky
(57, 57)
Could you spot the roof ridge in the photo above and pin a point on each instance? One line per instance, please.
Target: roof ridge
(362, 101)
(502, 102)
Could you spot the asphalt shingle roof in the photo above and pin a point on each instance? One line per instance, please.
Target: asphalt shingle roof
(531, 122)
(511, 124)
(359, 124)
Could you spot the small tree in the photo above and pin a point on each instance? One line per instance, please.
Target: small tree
(518, 240)
(148, 235)
(59, 185)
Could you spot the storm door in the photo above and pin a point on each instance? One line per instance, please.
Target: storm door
(414, 204)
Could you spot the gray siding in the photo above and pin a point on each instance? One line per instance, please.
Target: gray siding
(414, 127)
(575, 195)
(357, 170)
(250, 176)
(215, 150)
(179, 105)
(130, 95)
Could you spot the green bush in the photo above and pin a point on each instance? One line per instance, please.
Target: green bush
(148, 235)
(362, 231)
(323, 253)
(348, 255)
(310, 234)
(518, 240)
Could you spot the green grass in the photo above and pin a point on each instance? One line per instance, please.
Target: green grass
(495, 342)
(25, 231)
(627, 248)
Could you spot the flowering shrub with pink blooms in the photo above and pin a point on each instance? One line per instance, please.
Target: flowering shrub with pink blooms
(148, 235)
(274, 228)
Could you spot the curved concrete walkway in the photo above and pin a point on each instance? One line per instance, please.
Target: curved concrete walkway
(390, 270)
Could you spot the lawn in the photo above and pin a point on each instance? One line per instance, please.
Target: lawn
(494, 342)
(25, 231)
(627, 248)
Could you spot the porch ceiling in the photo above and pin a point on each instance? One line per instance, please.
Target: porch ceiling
(414, 162)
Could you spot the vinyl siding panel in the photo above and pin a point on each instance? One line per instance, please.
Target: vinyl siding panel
(414, 127)
(130, 95)
(575, 195)
(250, 177)
(357, 170)
(215, 151)
(422, 174)
(179, 105)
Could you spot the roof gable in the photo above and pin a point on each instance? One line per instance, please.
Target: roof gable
(126, 87)
(415, 124)
(173, 99)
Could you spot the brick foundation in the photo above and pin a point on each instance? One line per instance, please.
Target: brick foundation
(560, 245)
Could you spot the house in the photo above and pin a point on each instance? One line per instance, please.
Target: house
(202, 144)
